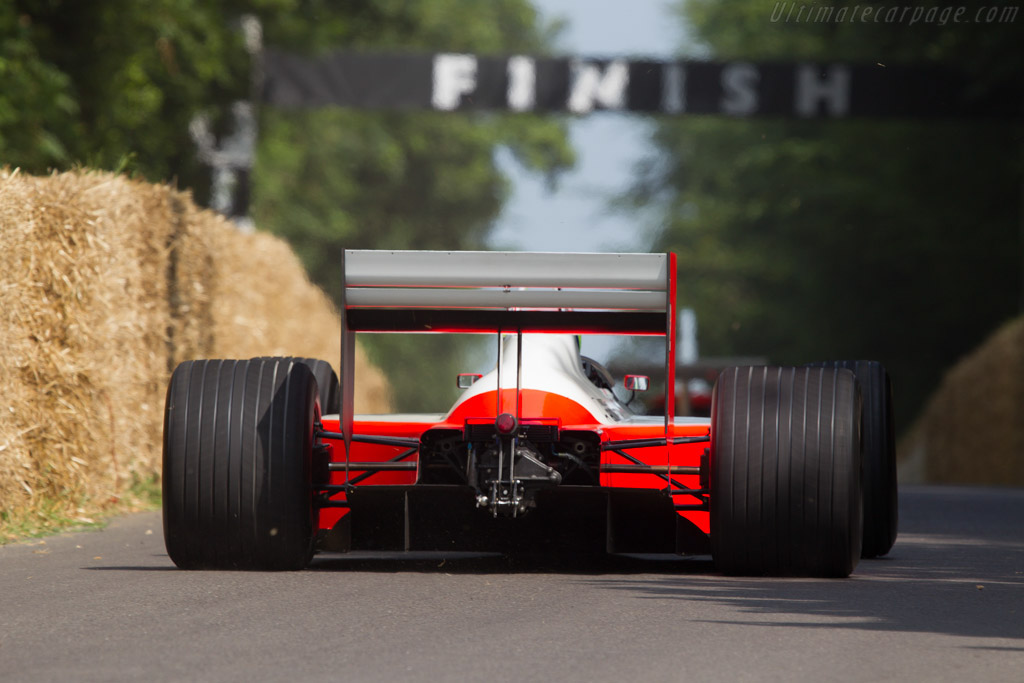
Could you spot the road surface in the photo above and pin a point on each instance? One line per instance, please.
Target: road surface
(946, 605)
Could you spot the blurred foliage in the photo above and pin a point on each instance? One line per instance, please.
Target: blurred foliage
(114, 85)
(895, 240)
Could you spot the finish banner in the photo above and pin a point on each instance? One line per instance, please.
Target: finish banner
(521, 83)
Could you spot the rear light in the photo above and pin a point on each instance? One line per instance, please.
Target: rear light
(505, 423)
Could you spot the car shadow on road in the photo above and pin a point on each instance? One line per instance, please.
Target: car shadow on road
(477, 563)
(114, 568)
(957, 568)
(930, 584)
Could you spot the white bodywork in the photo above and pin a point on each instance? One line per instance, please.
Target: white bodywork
(551, 362)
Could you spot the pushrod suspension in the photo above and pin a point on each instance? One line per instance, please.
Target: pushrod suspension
(651, 443)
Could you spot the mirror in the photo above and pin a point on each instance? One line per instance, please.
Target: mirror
(465, 380)
(636, 382)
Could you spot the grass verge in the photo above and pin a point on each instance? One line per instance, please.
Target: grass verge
(52, 516)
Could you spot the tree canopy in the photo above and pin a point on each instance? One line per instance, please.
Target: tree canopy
(885, 239)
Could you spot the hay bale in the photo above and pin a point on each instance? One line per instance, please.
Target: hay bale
(82, 338)
(105, 285)
(972, 429)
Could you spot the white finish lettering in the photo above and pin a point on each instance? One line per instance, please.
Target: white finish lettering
(739, 83)
(673, 89)
(522, 83)
(589, 86)
(454, 76)
(833, 89)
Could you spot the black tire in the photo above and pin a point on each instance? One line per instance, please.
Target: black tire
(786, 472)
(881, 495)
(238, 440)
(326, 382)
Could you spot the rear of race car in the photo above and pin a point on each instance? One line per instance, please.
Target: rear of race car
(266, 462)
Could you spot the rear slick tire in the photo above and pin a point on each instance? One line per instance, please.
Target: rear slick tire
(326, 381)
(881, 496)
(238, 440)
(786, 472)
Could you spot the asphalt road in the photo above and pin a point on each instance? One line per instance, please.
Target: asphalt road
(946, 605)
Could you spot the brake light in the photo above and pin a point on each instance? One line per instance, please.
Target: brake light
(505, 423)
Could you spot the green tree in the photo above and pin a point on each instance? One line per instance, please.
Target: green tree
(895, 240)
(115, 83)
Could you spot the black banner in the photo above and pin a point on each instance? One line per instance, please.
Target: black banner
(463, 82)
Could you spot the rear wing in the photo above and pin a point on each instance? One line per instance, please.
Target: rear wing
(486, 291)
(502, 292)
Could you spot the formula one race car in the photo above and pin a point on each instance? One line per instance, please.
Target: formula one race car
(265, 463)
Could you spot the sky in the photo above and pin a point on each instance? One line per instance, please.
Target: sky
(576, 217)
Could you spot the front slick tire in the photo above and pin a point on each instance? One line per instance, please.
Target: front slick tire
(786, 472)
(238, 439)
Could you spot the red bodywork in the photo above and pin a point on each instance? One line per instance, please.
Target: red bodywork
(536, 407)
(572, 468)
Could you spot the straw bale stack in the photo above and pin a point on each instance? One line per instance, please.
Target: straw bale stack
(105, 285)
(972, 429)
